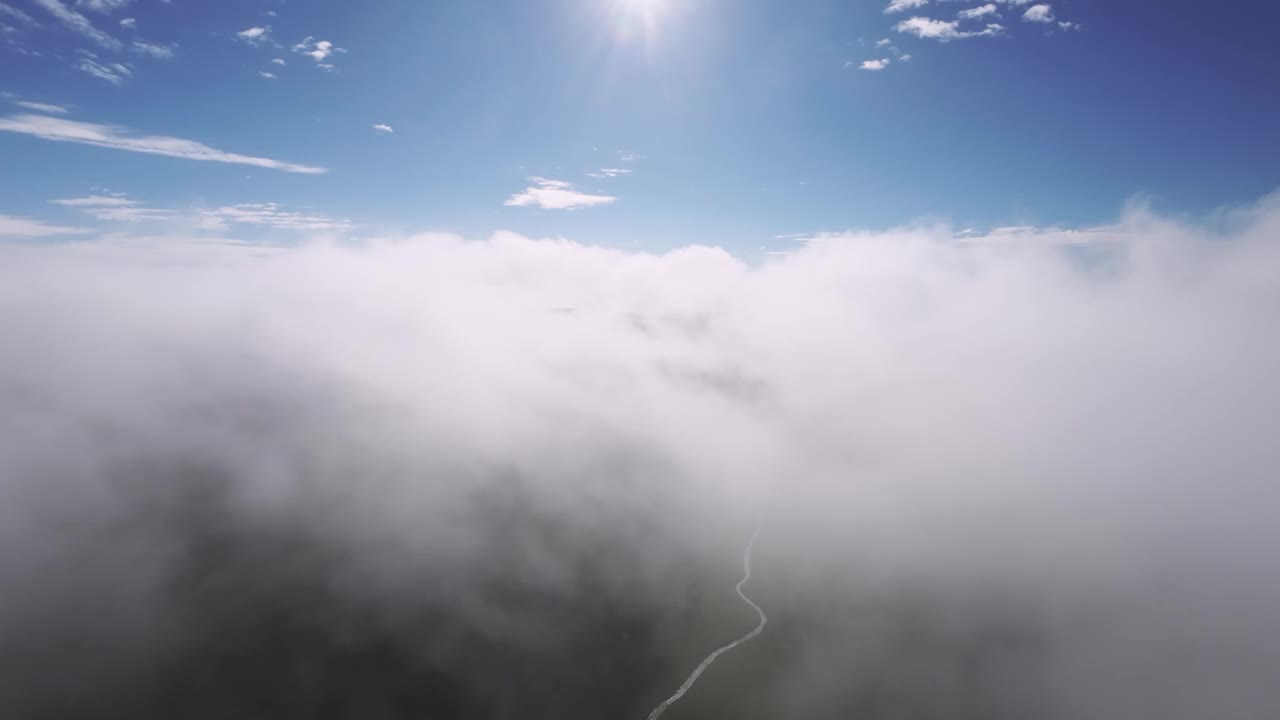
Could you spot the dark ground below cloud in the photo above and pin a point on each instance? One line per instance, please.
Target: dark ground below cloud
(253, 619)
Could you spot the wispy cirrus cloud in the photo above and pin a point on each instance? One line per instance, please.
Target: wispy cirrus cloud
(14, 13)
(608, 172)
(120, 138)
(155, 52)
(119, 207)
(110, 200)
(897, 6)
(41, 107)
(272, 216)
(20, 227)
(79, 23)
(102, 6)
(115, 207)
(556, 195)
(114, 73)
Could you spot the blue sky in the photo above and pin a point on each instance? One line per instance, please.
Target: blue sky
(637, 123)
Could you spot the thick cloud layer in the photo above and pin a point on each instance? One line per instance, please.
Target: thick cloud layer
(1026, 475)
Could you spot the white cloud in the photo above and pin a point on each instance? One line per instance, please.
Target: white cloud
(272, 216)
(609, 172)
(1016, 3)
(978, 12)
(556, 195)
(1042, 13)
(905, 58)
(115, 208)
(897, 6)
(119, 138)
(114, 73)
(267, 75)
(380, 127)
(943, 30)
(102, 6)
(79, 23)
(129, 23)
(41, 107)
(883, 42)
(1063, 469)
(15, 14)
(19, 227)
(255, 35)
(156, 52)
(113, 200)
(120, 208)
(277, 61)
(874, 64)
(1068, 26)
(317, 50)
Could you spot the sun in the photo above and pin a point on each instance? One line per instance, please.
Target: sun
(642, 17)
(647, 10)
(642, 5)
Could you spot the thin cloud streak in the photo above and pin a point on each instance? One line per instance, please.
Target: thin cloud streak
(103, 6)
(603, 173)
(14, 13)
(151, 50)
(41, 107)
(20, 227)
(118, 207)
(114, 73)
(120, 138)
(271, 215)
(115, 208)
(897, 6)
(79, 23)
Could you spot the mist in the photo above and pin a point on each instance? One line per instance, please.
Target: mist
(1029, 474)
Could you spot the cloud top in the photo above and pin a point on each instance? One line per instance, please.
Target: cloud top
(997, 476)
